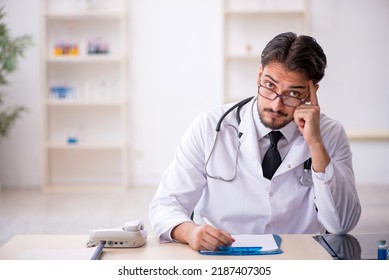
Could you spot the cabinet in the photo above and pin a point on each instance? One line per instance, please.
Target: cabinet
(84, 93)
(247, 27)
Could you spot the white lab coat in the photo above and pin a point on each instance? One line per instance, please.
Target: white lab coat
(251, 203)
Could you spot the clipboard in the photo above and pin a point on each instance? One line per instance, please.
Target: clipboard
(255, 250)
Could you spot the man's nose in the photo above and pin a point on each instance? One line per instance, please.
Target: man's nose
(277, 104)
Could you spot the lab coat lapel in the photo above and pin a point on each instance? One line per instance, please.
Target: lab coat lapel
(297, 155)
(249, 138)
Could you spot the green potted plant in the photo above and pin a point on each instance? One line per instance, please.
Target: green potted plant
(11, 49)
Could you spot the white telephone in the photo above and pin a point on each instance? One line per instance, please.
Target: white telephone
(131, 235)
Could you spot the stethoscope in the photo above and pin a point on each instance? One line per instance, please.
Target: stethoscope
(306, 177)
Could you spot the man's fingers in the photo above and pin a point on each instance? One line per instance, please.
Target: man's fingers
(212, 238)
(203, 236)
(312, 91)
(220, 237)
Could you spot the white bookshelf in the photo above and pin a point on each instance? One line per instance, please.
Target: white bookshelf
(84, 93)
(247, 27)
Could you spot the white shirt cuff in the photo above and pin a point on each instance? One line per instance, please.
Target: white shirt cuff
(327, 175)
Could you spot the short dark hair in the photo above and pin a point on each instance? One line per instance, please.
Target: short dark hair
(298, 53)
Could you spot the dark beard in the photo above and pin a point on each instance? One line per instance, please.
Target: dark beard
(272, 124)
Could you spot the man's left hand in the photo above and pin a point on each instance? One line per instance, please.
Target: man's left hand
(307, 117)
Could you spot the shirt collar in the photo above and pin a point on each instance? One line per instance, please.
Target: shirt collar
(289, 131)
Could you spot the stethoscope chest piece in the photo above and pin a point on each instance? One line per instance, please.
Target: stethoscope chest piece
(306, 178)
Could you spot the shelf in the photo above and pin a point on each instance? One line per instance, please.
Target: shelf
(84, 94)
(80, 15)
(368, 135)
(84, 58)
(247, 28)
(243, 57)
(264, 12)
(90, 146)
(81, 103)
(77, 188)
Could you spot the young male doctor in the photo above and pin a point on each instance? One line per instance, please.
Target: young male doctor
(227, 181)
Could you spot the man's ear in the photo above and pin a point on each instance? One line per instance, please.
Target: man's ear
(259, 74)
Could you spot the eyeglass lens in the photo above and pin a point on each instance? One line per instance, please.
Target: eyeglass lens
(272, 95)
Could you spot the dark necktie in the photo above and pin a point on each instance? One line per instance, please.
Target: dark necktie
(272, 158)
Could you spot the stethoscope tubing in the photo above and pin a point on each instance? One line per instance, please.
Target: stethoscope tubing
(305, 179)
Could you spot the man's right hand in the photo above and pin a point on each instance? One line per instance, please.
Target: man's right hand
(201, 237)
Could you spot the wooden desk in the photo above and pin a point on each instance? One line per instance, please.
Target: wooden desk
(298, 246)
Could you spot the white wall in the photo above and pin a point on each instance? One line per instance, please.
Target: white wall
(354, 35)
(175, 73)
(20, 153)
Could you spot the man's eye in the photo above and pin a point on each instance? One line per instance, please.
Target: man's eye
(269, 85)
(294, 94)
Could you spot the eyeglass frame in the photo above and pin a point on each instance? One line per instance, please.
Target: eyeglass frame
(281, 96)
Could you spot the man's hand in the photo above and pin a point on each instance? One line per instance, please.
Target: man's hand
(307, 118)
(204, 237)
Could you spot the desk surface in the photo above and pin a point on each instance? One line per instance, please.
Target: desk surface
(299, 246)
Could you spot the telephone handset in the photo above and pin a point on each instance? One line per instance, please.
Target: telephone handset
(131, 235)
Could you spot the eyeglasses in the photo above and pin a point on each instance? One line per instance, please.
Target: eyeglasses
(287, 100)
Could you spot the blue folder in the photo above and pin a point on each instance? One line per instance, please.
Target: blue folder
(245, 251)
